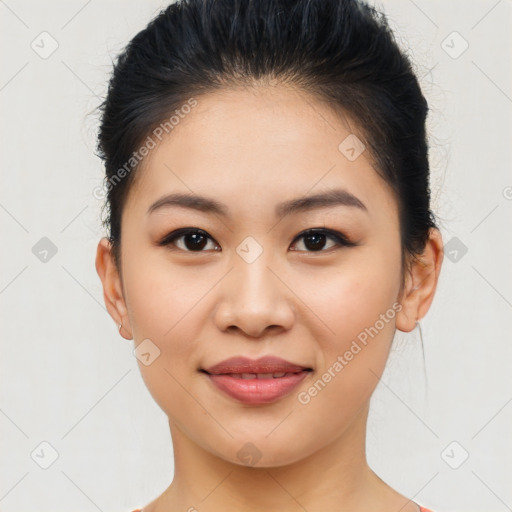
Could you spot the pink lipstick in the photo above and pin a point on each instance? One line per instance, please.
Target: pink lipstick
(260, 381)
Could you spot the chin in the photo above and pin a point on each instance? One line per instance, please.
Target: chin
(262, 452)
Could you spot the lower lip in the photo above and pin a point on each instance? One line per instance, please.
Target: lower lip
(257, 391)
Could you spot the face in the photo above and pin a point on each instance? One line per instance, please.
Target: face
(247, 279)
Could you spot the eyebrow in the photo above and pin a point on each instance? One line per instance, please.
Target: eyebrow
(335, 197)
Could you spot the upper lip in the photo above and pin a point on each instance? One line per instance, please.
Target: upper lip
(266, 364)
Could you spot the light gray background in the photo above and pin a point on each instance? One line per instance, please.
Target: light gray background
(69, 379)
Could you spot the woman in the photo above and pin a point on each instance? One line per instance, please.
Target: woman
(269, 230)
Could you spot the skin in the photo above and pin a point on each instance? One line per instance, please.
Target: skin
(251, 149)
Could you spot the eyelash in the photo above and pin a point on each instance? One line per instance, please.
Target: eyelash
(338, 237)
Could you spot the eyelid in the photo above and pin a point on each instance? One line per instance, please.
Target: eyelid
(340, 238)
(174, 235)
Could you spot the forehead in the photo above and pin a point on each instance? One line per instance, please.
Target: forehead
(257, 146)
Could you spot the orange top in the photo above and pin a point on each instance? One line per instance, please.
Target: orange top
(422, 509)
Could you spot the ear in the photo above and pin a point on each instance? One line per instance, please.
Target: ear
(420, 283)
(112, 287)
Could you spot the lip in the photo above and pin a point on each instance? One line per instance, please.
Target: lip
(227, 376)
(266, 364)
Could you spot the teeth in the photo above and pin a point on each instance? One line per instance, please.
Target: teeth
(259, 375)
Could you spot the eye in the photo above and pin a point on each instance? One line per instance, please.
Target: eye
(194, 240)
(315, 239)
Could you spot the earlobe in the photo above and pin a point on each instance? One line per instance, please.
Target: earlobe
(421, 283)
(407, 316)
(112, 286)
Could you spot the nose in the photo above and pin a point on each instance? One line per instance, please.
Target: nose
(255, 299)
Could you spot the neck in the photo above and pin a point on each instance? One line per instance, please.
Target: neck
(337, 474)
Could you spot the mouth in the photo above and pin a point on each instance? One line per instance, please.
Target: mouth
(247, 376)
(256, 382)
(264, 367)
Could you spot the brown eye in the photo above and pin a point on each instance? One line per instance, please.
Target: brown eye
(193, 240)
(315, 239)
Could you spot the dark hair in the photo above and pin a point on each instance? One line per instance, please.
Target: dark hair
(342, 52)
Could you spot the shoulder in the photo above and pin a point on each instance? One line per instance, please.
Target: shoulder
(422, 509)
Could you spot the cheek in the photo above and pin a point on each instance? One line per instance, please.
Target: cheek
(159, 312)
(353, 295)
(161, 297)
(161, 304)
(358, 305)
